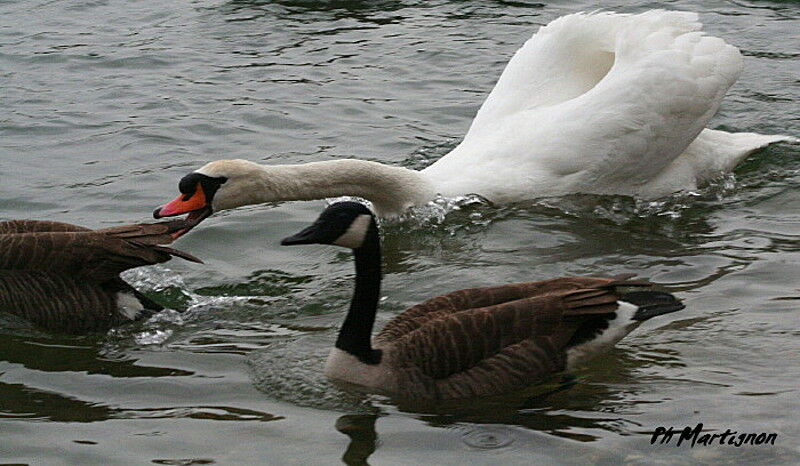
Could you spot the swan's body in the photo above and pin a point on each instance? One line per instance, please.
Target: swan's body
(65, 278)
(602, 103)
(593, 103)
(474, 342)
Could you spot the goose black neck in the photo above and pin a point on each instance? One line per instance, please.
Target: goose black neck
(355, 336)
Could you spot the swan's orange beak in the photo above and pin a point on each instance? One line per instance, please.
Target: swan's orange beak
(183, 204)
(195, 204)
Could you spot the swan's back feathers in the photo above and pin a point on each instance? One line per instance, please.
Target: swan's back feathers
(600, 103)
(569, 56)
(711, 154)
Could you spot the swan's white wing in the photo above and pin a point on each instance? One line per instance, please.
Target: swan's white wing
(566, 58)
(660, 93)
(548, 129)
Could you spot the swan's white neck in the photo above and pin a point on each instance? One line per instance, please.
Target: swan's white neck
(391, 189)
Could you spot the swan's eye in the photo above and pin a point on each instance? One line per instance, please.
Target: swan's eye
(191, 184)
(188, 184)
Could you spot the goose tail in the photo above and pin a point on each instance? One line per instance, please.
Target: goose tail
(651, 303)
(148, 306)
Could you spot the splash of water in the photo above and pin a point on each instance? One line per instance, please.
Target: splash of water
(173, 292)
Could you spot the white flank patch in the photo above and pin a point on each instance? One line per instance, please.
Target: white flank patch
(128, 305)
(617, 329)
(355, 234)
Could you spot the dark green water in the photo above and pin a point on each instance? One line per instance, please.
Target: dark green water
(106, 104)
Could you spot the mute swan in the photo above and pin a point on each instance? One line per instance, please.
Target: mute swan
(65, 278)
(594, 103)
(474, 342)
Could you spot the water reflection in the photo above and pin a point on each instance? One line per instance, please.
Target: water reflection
(19, 401)
(543, 409)
(363, 438)
(212, 413)
(78, 354)
(600, 398)
(487, 423)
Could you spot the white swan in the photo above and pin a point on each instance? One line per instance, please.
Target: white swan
(595, 103)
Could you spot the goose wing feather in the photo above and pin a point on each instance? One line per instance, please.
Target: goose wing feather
(35, 226)
(90, 255)
(95, 255)
(473, 298)
(459, 342)
(529, 361)
(65, 278)
(58, 302)
(147, 233)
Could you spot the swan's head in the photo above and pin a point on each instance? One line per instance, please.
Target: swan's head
(346, 224)
(219, 185)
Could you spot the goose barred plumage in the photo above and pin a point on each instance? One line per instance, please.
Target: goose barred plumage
(472, 342)
(65, 278)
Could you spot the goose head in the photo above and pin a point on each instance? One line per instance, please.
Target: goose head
(218, 185)
(346, 224)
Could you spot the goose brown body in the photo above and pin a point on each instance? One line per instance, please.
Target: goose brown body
(65, 278)
(484, 341)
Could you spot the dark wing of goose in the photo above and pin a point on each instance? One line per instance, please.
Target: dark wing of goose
(59, 302)
(463, 300)
(153, 234)
(148, 233)
(34, 226)
(516, 366)
(93, 255)
(457, 342)
(86, 254)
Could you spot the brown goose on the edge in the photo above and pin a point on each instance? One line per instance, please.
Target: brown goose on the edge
(474, 342)
(65, 278)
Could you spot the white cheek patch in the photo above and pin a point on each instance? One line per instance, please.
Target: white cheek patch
(355, 234)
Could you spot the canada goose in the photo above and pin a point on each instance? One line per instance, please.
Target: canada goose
(65, 278)
(473, 342)
(598, 103)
